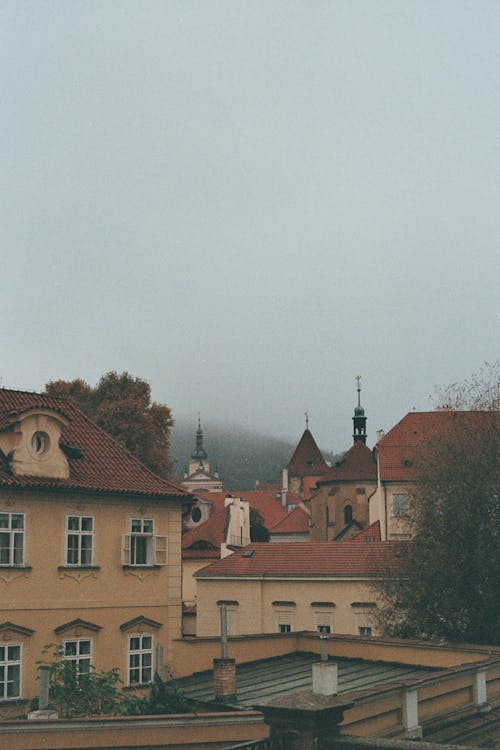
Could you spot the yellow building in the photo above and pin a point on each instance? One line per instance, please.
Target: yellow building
(281, 588)
(90, 549)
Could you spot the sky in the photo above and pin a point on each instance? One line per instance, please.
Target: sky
(248, 204)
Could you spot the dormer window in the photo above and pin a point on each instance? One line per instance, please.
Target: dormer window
(40, 442)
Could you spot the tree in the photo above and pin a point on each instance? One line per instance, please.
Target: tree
(121, 405)
(73, 693)
(446, 585)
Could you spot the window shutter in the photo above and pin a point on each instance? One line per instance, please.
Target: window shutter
(160, 543)
(126, 549)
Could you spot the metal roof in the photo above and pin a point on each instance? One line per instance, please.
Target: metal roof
(262, 681)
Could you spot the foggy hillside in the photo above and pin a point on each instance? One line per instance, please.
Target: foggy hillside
(242, 456)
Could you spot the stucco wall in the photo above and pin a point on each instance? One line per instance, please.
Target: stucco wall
(46, 594)
(256, 612)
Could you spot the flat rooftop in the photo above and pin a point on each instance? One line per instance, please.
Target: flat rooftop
(260, 682)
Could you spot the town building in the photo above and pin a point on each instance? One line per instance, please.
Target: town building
(280, 588)
(90, 549)
(399, 454)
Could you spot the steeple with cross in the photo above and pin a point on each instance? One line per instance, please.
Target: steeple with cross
(359, 418)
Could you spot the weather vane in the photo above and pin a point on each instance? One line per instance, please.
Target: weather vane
(306, 414)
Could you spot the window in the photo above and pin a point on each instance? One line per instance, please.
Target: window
(11, 538)
(140, 659)
(79, 654)
(40, 443)
(348, 515)
(142, 546)
(399, 504)
(79, 540)
(10, 671)
(323, 616)
(284, 621)
(364, 630)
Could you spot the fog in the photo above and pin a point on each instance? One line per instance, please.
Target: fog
(250, 203)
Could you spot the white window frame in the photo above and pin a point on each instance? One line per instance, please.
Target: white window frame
(12, 533)
(79, 657)
(141, 652)
(400, 505)
(156, 549)
(79, 533)
(8, 664)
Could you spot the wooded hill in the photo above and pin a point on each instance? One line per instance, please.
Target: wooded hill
(242, 456)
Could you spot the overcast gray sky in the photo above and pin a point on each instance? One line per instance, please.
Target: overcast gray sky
(249, 203)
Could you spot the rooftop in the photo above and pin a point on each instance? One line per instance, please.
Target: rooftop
(306, 559)
(99, 463)
(266, 680)
(307, 459)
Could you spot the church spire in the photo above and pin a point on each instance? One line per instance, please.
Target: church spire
(199, 451)
(359, 419)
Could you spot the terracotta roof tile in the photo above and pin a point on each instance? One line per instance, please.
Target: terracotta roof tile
(303, 559)
(297, 521)
(356, 465)
(365, 535)
(105, 466)
(401, 448)
(212, 531)
(307, 459)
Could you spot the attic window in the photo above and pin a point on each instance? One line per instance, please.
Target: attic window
(248, 553)
(40, 443)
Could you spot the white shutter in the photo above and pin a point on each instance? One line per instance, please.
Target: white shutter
(161, 550)
(126, 549)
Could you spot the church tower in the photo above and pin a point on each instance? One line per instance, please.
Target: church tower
(359, 419)
(197, 478)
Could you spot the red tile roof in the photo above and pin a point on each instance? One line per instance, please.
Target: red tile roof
(356, 465)
(268, 505)
(105, 466)
(366, 534)
(305, 559)
(295, 522)
(307, 459)
(212, 531)
(400, 449)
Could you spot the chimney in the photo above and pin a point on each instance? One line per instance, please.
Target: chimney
(325, 673)
(224, 668)
(284, 486)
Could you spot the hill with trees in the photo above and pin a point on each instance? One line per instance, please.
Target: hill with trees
(242, 456)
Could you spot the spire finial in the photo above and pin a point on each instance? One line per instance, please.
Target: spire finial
(199, 420)
(306, 414)
(358, 381)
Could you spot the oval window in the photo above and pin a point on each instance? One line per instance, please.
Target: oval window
(196, 515)
(40, 443)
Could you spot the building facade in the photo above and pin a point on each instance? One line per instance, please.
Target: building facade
(90, 549)
(281, 588)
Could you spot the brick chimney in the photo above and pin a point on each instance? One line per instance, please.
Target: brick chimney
(225, 680)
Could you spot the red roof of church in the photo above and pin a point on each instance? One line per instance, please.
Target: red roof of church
(105, 466)
(356, 465)
(400, 449)
(307, 459)
(370, 534)
(305, 559)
